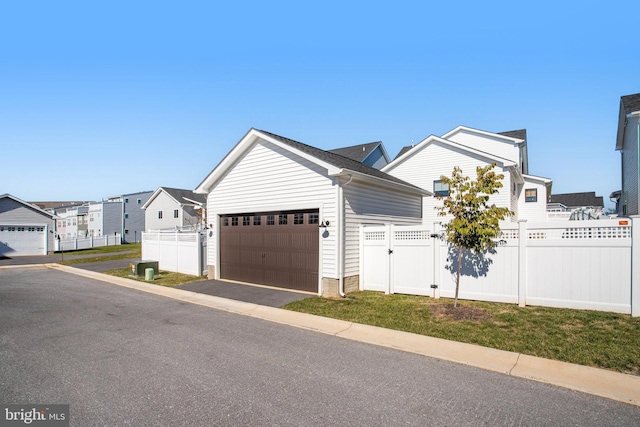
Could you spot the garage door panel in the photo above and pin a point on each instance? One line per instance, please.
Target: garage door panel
(277, 249)
(18, 240)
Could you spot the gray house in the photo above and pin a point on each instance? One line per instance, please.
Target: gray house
(131, 216)
(628, 143)
(25, 229)
(174, 208)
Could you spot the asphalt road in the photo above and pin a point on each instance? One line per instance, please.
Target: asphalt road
(122, 357)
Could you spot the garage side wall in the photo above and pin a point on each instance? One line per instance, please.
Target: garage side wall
(367, 204)
(268, 179)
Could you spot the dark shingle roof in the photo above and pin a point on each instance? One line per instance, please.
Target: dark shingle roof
(577, 200)
(356, 152)
(519, 134)
(338, 160)
(631, 103)
(404, 150)
(180, 195)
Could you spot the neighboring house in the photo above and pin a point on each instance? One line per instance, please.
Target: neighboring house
(576, 206)
(423, 165)
(628, 143)
(173, 208)
(132, 215)
(372, 154)
(25, 229)
(286, 214)
(104, 218)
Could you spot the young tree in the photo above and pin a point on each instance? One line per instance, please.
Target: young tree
(475, 223)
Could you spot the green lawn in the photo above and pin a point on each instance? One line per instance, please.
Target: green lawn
(591, 338)
(163, 278)
(102, 253)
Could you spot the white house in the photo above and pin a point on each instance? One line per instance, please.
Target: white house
(25, 229)
(628, 143)
(423, 165)
(283, 213)
(173, 208)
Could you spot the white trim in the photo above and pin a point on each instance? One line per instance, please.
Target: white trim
(516, 141)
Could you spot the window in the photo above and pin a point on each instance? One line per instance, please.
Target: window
(126, 200)
(126, 231)
(271, 220)
(139, 201)
(225, 222)
(159, 214)
(126, 216)
(298, 218)
(234, 221)
(440, 189)
(282, 219)
(246, 221)
(313, 218)
(531, 195)
(256, 219)
(175, 213)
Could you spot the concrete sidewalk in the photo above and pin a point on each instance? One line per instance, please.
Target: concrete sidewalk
(599, 382)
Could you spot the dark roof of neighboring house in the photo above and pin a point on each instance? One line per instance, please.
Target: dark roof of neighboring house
(577, 200)
(182, 195)
(404, 150)
(51, 205)
(357, 152)
(519, 134)
(631, 103)
(338, 160)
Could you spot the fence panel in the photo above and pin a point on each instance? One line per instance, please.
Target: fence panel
(374, 243)
(174, 251)
(412, 260)
(492, 276)
(78, 243)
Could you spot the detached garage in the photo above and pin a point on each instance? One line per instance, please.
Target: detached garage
(285, 214)
(24, 228)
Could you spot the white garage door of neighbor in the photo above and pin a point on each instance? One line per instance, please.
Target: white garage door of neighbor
(19, 240)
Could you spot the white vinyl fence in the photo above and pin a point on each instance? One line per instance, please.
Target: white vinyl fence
(570, 264)
(77, 243)
(176, 251)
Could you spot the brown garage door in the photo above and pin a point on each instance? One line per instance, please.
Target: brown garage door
(274, 248)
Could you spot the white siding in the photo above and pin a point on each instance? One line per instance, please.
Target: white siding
(431, 162)
(163, 202)
(533, 211)
(365, 204)
(268, 178)
(630, 166)
(497, 146)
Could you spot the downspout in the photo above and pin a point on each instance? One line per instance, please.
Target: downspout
(341, 236)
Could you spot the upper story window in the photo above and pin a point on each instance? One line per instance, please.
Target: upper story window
(440, 189)
(175, 213)
(159, 214)
(531, 195)
(126, 200)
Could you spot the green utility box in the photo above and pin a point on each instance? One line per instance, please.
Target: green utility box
(138, 268)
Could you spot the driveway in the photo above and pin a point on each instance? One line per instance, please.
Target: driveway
(119, 356)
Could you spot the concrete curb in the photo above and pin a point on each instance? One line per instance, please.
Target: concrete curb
(598, 382)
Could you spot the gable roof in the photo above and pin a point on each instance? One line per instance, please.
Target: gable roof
(403, 150)
(505, 135)
(180, 196)
(431, 139)
(576, 200)
(629, 104)
(336, 164)
(28, 205)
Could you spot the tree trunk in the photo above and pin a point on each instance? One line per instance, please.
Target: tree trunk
(460, 255)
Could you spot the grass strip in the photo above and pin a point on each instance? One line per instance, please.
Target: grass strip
(585, 337)
(163, 278)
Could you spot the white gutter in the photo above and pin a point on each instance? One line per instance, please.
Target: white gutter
(341, 236)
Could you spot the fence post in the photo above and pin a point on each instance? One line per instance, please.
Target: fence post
(522, 262)
(389, 278)
(437, 229)
(635, 266)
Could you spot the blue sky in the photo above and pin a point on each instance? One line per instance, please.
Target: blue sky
(104, 99)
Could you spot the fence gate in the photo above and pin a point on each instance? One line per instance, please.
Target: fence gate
(397, 259)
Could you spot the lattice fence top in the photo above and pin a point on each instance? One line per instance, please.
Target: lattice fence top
(509, 234)
(581, 233)
(412, 235)
(374, 235)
